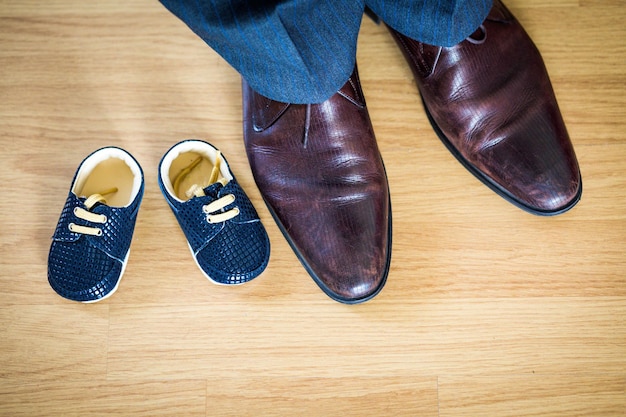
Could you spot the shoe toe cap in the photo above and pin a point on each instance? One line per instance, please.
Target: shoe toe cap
(238, 254)
(82, 277)
(537, 171)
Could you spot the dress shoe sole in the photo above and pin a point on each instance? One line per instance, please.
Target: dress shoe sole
(491, 184)
(318, 281)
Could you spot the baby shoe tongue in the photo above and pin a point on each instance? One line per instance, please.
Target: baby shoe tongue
(210, 191)
(213, 189)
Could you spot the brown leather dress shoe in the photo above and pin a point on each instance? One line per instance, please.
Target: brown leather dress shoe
(321, 175)
(490, 101)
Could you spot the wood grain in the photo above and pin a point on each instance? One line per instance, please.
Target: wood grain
(488, 311)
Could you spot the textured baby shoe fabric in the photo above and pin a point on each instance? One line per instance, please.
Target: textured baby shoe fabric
(223, 230)
(91, 243)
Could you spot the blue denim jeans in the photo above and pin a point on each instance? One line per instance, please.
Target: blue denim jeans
(303, 51)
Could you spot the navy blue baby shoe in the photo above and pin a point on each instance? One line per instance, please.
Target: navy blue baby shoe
(223, 230)
(91, 242)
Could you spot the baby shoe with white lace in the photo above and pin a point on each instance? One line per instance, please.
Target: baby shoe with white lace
(91, 243)
(223, 230)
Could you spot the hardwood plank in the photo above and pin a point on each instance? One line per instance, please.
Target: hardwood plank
(533, 395)
(41, 342)
(385, 337)
(275, 396)
(96, 397)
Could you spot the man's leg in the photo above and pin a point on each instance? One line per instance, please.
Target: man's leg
(307, 132)
(440, 22)
(298, 51)
(489, 98)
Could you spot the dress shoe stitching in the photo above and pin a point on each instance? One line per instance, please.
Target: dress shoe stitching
(351, 100)
(425, 69)
(429, 69)
(416, 62)
(356, 90)
(259, 127)
(361, 100)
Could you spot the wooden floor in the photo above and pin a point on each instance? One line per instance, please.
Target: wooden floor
(488, 311)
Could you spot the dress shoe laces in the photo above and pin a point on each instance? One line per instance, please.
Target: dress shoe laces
(307, 125)
(89, 216)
